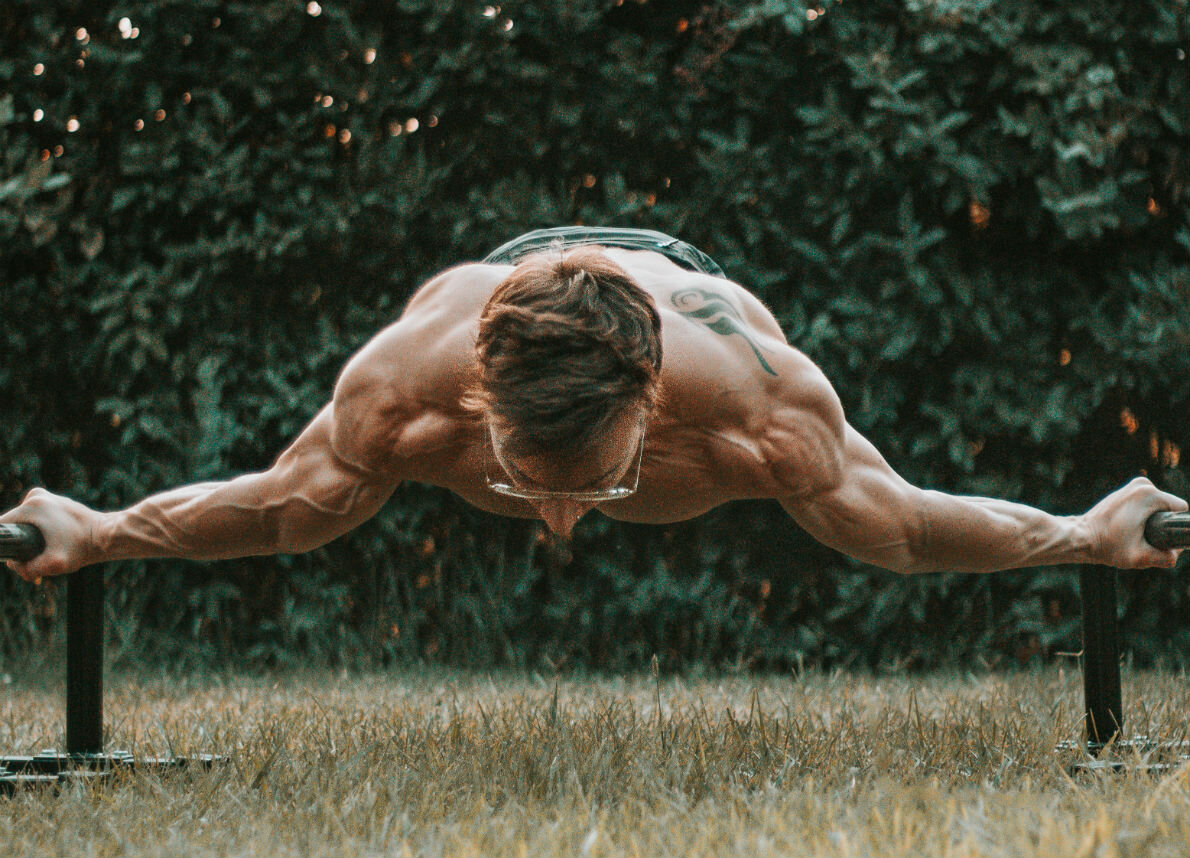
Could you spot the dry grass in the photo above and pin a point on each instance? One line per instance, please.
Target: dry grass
(459, 765)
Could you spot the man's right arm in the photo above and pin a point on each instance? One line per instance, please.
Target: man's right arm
(335, 475)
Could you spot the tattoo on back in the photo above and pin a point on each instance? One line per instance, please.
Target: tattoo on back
(714, 311)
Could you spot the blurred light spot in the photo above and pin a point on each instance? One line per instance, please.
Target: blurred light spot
(651, 200)
(589, 180)
(125, 27)
(766, 587)
(683, 25)
(327, 100)
(79, 63)
(159, 114)
(1154, 208)
(39, 69)
(139, 124)
(345, 136)
(216, 22)
(412, 125)
(58, 151)
(187, 40)
(1064, 357)
(313, 9)
(432, 122)
(370, 56)
(329, 131)
(1181, 54)
(406, 59)
(185, 98)
(1171, 454)
(395, 129)
(491, 11)
(81, 35)
(979, 214)
(72, 125)
(38, 115)
(1128, 421)
(45, 154)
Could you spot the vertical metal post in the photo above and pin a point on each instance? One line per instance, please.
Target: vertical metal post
(1101, 657)
(84, 662)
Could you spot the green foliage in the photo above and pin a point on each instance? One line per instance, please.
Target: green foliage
(972, 215)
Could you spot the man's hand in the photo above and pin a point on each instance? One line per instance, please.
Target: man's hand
(68, 528)
(1117, 525)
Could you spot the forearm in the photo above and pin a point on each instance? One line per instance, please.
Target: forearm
(249, 515)
(208, 521)
(972, 534)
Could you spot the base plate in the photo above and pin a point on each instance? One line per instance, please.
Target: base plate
(52, 768)
(1138, 754)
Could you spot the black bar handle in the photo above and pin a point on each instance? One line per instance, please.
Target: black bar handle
(20, 542)
(1168, 530)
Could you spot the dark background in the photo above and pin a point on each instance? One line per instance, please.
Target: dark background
(972, 215)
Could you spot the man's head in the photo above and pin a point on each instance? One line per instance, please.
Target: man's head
(569, 350)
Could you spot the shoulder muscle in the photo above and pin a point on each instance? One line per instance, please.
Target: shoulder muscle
(805, 431)
(391, 396)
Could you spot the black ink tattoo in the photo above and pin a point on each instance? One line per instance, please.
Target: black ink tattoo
(714, 311)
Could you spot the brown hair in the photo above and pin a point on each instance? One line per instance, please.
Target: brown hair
(566, 344)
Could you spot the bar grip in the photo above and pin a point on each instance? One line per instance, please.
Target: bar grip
(1168, 530)
(20, 542)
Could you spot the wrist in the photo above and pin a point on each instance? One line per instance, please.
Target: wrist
(1085, 541)
(100, 536)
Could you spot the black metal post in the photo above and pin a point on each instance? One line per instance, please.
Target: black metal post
(84, 662)
(1101, 657)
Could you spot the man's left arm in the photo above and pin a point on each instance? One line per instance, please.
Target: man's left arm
(848, 497)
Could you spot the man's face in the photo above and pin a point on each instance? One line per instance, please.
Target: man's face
(563, 489)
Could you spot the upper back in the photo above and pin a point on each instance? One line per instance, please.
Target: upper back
(723, 355)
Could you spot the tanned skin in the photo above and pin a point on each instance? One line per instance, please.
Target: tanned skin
(743, 415)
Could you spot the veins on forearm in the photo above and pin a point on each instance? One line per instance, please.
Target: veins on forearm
(218, 520)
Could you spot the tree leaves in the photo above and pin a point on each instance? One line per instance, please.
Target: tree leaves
(973, 216)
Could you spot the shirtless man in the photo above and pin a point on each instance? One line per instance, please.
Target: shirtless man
(584, 369)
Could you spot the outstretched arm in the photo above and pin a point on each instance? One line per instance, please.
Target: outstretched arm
(857, 504)
(322, 486)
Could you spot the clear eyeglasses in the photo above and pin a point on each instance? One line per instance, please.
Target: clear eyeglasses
(497, 482)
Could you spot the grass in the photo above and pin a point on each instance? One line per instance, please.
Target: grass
(460, 764)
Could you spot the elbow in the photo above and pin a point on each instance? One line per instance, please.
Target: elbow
(910, 552)
(279, 531)
(297, 539)
(904, 562)
(917, 553)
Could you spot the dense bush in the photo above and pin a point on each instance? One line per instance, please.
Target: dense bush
(972, 215)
